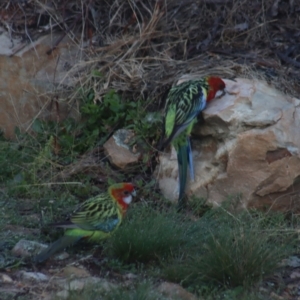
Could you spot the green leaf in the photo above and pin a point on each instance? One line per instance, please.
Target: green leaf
(91, 96)
(37, 126)
(96, 73)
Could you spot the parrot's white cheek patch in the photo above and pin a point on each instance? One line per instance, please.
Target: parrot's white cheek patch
(219, 94)
(127, 199)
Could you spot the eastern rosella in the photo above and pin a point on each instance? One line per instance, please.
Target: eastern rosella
(94, 220)
(184, 102)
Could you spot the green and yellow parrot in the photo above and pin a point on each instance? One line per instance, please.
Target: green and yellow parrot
(184, 103)
(94, 220)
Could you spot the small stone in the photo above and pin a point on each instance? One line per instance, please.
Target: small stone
(276, 297)
(76, 285)
(5, 278)
(119, 151)
(80, 283)
(62, 256)
(107, 286)
(175, 291)
(130, 276)
(292, 261)
(295, 274)
(63, 294)
(74, 272)
(35, 276)
(263, 290)
(25, 248)
(61, 283)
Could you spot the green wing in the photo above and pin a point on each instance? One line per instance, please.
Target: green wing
(184, 103)
(98, 213)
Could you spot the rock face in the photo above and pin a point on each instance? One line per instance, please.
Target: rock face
(249, 145)
(30, 77)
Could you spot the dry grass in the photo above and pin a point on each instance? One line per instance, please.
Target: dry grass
(142, 47)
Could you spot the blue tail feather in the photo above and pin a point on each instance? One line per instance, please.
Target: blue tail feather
(185, 160)
(190, 160)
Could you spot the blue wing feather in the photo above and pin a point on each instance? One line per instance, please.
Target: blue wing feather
(107, 225)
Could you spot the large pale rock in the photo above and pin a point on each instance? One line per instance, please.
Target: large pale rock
(249, 145)
(30, 77)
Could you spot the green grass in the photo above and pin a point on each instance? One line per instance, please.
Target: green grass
(231, 257)
(231, 251)
(146, 235)
(220, 251)
(199, 206)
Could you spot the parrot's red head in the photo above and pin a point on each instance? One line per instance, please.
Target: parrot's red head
(215, 84)
(122, 193)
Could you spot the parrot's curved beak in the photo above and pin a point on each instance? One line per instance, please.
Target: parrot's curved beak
(133, 193)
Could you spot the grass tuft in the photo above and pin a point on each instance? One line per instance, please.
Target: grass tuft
(231, 251)
(146, 235)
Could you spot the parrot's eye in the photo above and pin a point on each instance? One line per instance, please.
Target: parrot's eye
(126, 193)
